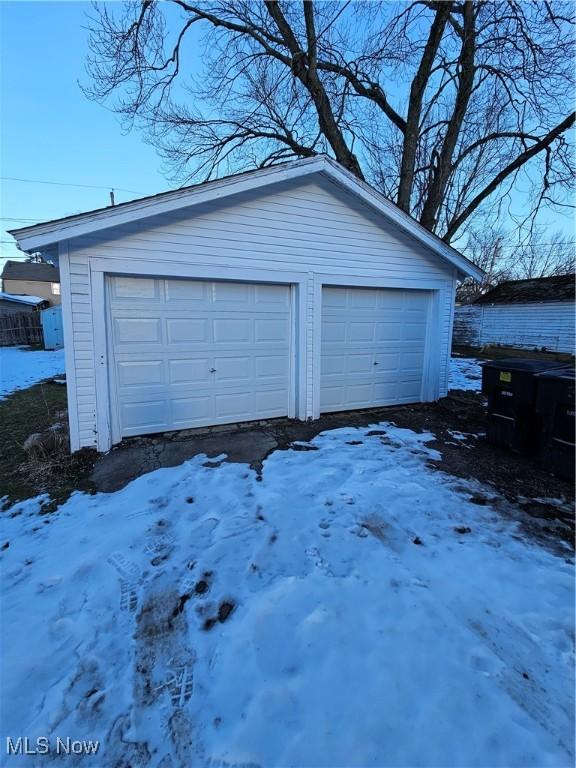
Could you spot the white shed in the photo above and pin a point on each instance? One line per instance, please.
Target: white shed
(287, 291)
(534, 314)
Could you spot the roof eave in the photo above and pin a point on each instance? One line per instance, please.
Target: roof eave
(50, 233)
(464, 267)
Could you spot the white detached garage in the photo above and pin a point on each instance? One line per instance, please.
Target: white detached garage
(288, 291)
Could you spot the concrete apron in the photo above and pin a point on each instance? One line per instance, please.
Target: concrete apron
(248, 443)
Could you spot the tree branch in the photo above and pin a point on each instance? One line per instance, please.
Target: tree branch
(419, 83)
(521, 160)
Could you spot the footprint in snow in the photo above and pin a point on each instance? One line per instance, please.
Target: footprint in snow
(130, 580)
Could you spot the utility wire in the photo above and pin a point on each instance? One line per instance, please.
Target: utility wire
(516, 247)
(14, 218)
(69, 184)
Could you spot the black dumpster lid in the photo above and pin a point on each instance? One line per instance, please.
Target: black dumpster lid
(562, 373)
(523, 364)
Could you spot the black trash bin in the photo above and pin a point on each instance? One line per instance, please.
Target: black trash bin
(510, 386)
(556, 405)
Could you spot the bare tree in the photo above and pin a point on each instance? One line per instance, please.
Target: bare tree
(447, 106)
(501, 259)
(544, 256)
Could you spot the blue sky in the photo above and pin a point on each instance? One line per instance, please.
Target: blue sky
(52, 132)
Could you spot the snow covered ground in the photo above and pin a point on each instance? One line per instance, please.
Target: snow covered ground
(465, 373)
(20, 368)
(351, 607)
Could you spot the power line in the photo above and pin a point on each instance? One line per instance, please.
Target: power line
(525, 245)
(14, 218)
(69, 184)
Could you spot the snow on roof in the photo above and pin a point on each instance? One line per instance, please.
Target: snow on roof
(21, 298)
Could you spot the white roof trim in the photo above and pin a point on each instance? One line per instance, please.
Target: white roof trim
(42, 235)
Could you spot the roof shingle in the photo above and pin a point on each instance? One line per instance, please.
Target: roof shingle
(540, 289)
(29, 270)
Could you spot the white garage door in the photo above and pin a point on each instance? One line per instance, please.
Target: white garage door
(372, 347)
(192, 353)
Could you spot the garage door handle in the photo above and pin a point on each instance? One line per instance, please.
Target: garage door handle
(212, 370)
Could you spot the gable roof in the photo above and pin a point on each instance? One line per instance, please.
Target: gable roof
(22, 298)
(51, 232)
(30, 270)
(540, 289)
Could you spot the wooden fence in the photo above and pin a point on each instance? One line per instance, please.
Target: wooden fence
(22, 328)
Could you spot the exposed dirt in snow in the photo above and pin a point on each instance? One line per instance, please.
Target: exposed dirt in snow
(351, 605)
(542, 502)
(458, 423)
(37, 409)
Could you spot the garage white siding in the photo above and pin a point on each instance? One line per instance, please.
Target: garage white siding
(313, 230)
(188, 353)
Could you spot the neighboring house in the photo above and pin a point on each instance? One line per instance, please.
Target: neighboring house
(33, 279)
(537, 314)
(16, 305)
(288, 291)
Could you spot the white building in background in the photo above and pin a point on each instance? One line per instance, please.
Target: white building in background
(537, 314)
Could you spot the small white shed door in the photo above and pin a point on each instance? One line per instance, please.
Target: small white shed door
(190, 353)
(373, 342)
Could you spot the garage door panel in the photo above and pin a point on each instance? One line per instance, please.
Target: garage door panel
(145, 415)
(272, 366)
(198, 353)
(361, 332)
(233, 369)
(189, 371)
(232, 330)
(387, 361)
(272, 330)
(389, 332)
(145, 372)
(333, 332)
(391, 303)
(359, 393)
(224, 293)
(270, 401)
(189, 330)
(360, 364)
(412, 360)
(186, 290)
(362, 299)
(190, 410)
(385, 392)
(389, 314)
(377, 355)
(410, 391)
(135, 288)
(234, 405)
(333, 297)
(271, 297)
(137, 330)
(332, 397)
(332, 365)
(414, 331)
